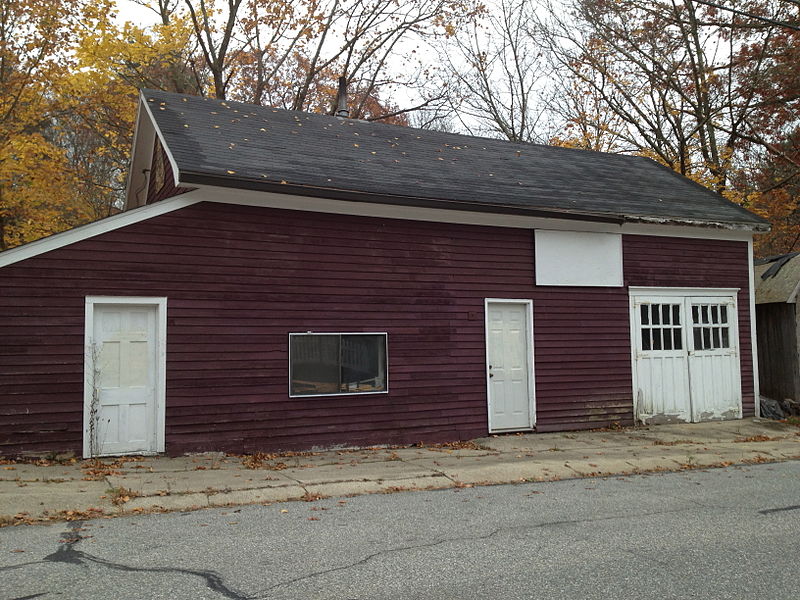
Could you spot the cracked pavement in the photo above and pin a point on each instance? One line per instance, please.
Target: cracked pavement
(30, 492)
(720, 533)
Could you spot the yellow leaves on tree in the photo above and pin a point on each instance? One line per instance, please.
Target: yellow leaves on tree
(33, 54)
(36, 196)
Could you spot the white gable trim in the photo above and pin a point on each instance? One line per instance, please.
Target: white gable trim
(141, 160)
(59, 240)
(148, 108)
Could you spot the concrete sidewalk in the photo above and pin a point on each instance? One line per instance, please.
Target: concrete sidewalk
(81, 489)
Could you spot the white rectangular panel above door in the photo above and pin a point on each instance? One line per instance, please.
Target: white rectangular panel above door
(578, 258)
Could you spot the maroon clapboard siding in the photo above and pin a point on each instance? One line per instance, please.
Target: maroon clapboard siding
(239, 279)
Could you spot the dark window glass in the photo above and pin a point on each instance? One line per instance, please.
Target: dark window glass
(695, 314)
(698, 338)
(725, 341)
(706, 338)
(665, 314)
(723, 311)
(676, 339)
(363, 363)
(676, 314)
(646, 339)
(667, 339)
(337, 363)
(656, 316)
(704, 313)
(715, 338)
(715, 314)
(645, 310)
(656, 339)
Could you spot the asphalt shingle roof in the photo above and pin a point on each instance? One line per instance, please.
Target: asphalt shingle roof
(229, 143)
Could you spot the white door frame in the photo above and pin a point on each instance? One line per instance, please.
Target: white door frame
(634, 291)
(531, 381)
(160, 305)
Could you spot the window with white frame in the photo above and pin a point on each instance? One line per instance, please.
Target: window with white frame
(710, 327)
(322, 364)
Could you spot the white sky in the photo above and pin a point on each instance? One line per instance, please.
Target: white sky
(127, 10)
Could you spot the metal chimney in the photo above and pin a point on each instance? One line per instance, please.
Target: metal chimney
(341, 103)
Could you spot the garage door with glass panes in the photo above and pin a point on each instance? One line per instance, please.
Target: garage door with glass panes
(685, 355)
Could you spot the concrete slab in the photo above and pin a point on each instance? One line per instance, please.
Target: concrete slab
(587, 468)
(415, 453)
(347, 488)
(281, 494)
(166, 464)
(532, 442)
(176, 502)
(200, 481)
(38, 498)
(644, 464)
(368, 471)
(506, 472)
(217, 479)
(145, 485)
(31, 472)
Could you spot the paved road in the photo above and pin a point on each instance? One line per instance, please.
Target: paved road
(726, 533)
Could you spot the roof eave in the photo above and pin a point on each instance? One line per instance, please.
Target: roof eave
(187, 177)
(191, 178)
(754, 227)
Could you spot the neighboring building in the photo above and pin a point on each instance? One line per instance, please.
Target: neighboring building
(283, 280)
(777, 281)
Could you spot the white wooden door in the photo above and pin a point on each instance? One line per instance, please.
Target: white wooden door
(686, 360)
(714, 359)
(662, 367)
(123, 409)
(509, 366)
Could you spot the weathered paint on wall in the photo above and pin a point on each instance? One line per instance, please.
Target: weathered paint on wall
(239, 279)
(777, 350)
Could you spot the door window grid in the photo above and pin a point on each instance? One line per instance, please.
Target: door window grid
(661, 327)
(710, 327)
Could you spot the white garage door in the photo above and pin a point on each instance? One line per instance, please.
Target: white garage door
(686, 356)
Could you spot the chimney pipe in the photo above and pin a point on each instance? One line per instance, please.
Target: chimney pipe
(341, 103)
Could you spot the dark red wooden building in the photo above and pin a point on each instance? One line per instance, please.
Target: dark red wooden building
(282, 280)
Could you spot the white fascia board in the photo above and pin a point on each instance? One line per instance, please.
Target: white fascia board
(389, 211)
(175, 172)
(635, 290)
(141, 159)
(753, 333)
(793, 296)
(59, 240)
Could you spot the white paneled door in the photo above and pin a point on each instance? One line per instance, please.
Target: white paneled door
(123, 380)
(686, 358)
(509, 365)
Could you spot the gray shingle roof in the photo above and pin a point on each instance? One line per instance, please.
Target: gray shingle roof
(240, 145)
